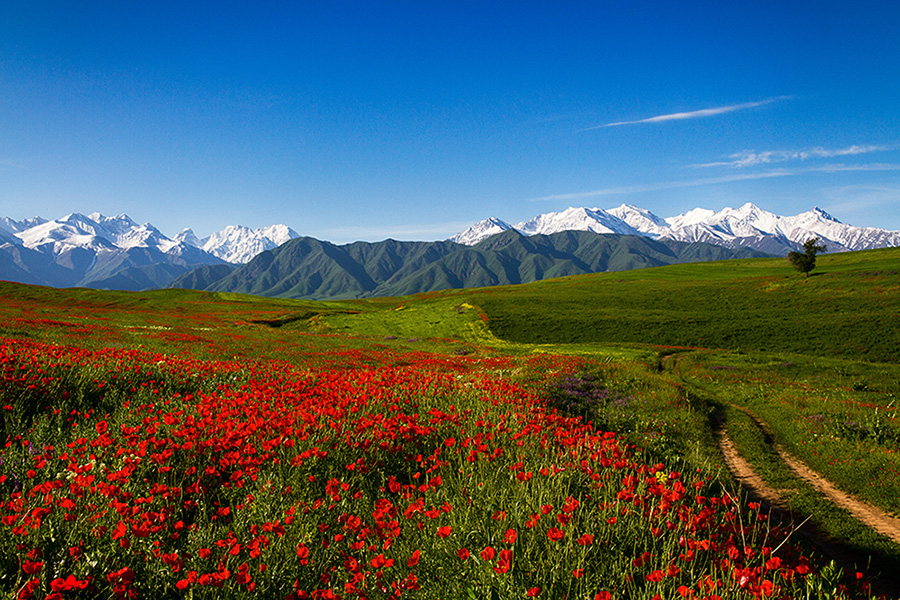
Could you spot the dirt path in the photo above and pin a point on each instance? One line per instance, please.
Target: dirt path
(872, 516)
(758, 489)
(745, 475)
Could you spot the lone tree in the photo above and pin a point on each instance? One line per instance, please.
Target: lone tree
(806, 261)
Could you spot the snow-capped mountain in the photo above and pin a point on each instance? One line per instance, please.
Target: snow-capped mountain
(10, 226)
(640, 219)
(116, 252)
(239, 244)
(747, 226)
(188, 237)
(480, 231)
(95, 232)
(578, 219)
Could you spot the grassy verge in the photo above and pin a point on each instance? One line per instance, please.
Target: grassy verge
(844, 533)
(837, 416)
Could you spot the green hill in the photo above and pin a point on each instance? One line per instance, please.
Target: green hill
(850, 306)
(312, 269)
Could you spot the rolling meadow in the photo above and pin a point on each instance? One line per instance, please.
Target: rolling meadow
(560, 439)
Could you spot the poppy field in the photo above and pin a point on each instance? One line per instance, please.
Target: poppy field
(196, 453)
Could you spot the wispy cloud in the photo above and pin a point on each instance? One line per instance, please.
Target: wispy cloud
(694, 114)
(752, 158)
(862, 199)
(704, 181)
(665, 185)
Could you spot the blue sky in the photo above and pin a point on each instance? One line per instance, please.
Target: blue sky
(413, 120)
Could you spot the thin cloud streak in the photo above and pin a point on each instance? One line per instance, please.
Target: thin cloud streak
(751, 158)
(671, 185)
(667, 185)
(695, 114)
(861, 199)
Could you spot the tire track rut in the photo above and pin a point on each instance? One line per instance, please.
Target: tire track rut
(776, 500)
(872, 516)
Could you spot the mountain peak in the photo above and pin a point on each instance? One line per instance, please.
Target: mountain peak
(187, 236)
(578, 219)
(749, 226)
(480, 231)
(824, 215)
(239, 244)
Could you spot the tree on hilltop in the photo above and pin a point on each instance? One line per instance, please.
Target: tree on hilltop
(806, 261)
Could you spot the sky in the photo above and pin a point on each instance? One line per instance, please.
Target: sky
(413, 120)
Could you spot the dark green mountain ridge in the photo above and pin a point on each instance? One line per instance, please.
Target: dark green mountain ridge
(307, 268)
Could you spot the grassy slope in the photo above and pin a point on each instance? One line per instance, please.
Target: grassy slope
(847, 307)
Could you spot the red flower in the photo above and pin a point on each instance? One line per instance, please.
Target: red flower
(504, 562)
(641, 560)
(655, 576)
(69, 583)
(444, 531)
(413, 560)
(462, 553)
(555, 534)
(570, 505)
(586, 540)
(487, 554)
(510, 536)
(380, 561)
(532, 592)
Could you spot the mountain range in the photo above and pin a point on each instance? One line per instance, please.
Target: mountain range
(748, 226)
(312, 269)
(118, 253)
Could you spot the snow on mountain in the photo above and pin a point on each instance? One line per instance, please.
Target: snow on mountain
(748, 226)
(640, 219)
(94, 232)
(480, 231)
(692, 217)
(97, 233)
(839, 235)
(11, 226)
(71, 231)
(239, 244)
(187, 236)
(577, 219)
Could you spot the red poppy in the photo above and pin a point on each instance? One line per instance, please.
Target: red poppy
(504, 562)
(413, 560)
(555, 534)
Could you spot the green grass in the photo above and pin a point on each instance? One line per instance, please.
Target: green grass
(844, 531)
(847, 308)
(838, 416)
